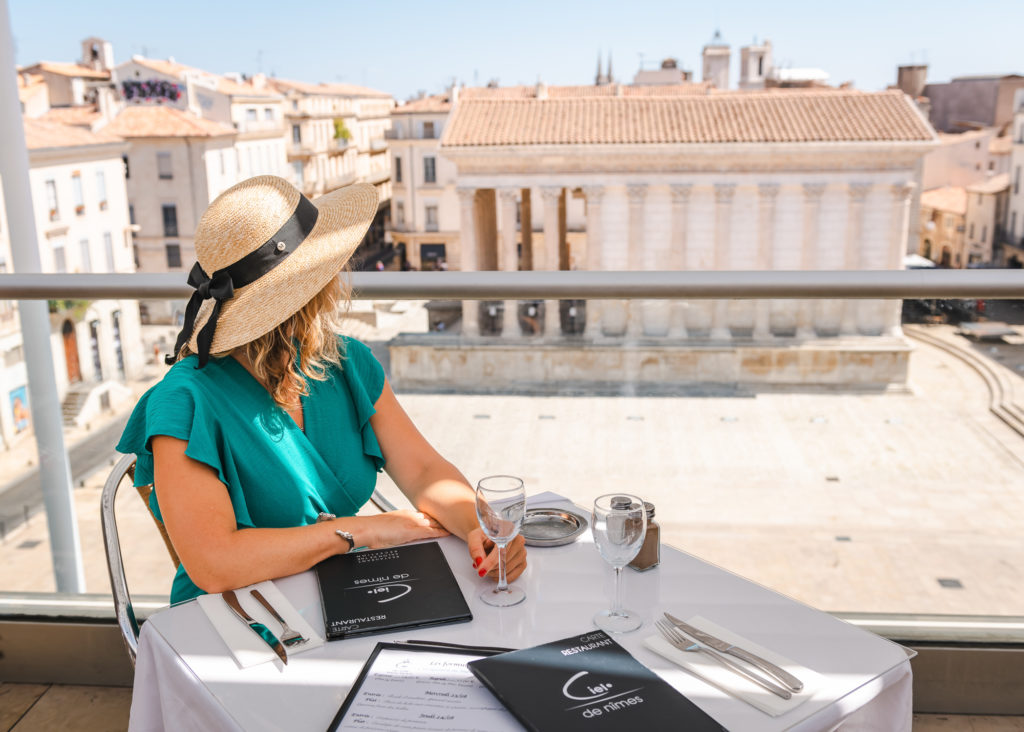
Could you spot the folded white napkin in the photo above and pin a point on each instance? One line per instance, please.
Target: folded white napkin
(247, 647)
(718, 675)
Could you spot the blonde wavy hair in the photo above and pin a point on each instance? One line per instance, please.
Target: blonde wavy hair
(311, 332)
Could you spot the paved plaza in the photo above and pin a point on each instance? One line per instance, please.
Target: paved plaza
(849, 502)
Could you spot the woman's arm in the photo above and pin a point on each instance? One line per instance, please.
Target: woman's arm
(435, 486)
(218, 556)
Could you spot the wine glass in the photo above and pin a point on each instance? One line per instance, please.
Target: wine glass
(619, 523)
(500, 505)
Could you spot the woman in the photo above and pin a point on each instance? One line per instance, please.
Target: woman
(264, 438)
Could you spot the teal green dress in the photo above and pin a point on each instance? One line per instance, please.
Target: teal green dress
(276, 475)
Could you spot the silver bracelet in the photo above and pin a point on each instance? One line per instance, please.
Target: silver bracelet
(347, 536)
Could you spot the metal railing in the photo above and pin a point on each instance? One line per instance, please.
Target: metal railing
(683, 285)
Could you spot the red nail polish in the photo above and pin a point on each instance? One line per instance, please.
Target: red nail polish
(482, 573)
(476, 562)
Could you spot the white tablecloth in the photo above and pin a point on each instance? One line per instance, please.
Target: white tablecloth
(187, 680)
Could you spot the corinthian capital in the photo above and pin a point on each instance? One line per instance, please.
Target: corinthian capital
(637, 193)
(680, 192)
(814, 191)
(724, 192)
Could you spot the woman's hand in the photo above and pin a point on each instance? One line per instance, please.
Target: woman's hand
(396, 527)
(484, 554)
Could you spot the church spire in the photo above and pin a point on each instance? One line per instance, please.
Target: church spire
(597, 76)
(611, 79)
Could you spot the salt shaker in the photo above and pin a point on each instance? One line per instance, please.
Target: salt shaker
(650, 552)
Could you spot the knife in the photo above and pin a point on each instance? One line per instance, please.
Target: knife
(722, 647)
(258, 628)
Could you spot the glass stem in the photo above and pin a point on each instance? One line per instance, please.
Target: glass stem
(502, 581)
(617, 607)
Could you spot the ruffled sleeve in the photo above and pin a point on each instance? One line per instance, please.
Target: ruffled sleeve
(171, 408)
(364, 377)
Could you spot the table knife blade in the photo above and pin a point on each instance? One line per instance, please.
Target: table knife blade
(722, 646)
(258, 628)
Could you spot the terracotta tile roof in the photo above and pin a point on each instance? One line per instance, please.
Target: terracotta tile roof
(951, 199)
(165, 66)
(155, 120)
(46, 133)
(1001, 145)
(585, 91)
(85, 115)
(779, 117)
(336, 90)
(434, 103)
(995, 184)
(30, 86)
(65, 69)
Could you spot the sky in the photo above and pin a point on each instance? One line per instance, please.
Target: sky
(406, 47)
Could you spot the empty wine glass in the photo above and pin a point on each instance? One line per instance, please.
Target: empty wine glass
(619, 523)
(500, 505)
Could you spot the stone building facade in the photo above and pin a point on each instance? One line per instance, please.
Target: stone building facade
(782, 180)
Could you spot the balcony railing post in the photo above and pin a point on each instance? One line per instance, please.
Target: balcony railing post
(54, 467)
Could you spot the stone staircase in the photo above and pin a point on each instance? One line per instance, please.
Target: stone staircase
(75, 400)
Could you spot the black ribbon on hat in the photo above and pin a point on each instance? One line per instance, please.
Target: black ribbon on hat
(221, 284)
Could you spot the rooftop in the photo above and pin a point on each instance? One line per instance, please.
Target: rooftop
(432, 103)
(225, 85)
(804, 116)
(334, 90)
(952, 199)
(584, 91)
(995, 184)
(68, 69)
(154, 120)
(45, 133)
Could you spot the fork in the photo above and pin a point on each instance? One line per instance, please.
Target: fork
(288, 636)
(678, 640)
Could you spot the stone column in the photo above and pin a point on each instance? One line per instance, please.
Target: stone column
(767, 194)
(595, 244)
(637, 197)
(901, 199)
(680, 193)
(809, 254)
(468, 257)
(724, 193)
(526, 229)
(854, 248)
(549, 256)
(508, 259)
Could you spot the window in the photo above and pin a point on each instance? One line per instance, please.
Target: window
(428, 130)
(1016, 181)
(400, 213)
(51, 200)
(124, 159)
(1013, 223)
(131, 214)
(250, 115)
(760, 65)
(85, 257)
(135, 256)
(60, 262)
(163, 166)
(979, 199)
(101, 189)
(173, 255)
(398, 170)
(268, 114)
(170, 219)
(431, 212)
(108, 250)
(970, 235)
(297, 168)
(76, 190)
(296, 135)
(223, 170)
(429, 174)
(984, 233)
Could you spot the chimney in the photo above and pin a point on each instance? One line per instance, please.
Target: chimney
(259, 81)
(541, 90)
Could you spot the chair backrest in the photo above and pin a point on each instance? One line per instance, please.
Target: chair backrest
(123, 610)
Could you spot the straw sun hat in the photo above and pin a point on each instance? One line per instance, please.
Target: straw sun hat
(264, 250)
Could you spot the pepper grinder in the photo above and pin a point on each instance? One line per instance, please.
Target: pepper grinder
(650, 552)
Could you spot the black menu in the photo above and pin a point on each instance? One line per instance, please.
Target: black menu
(587, 682)
(386, 589)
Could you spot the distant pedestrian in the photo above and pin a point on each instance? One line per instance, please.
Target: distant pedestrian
(380, 265)
(442, 265)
